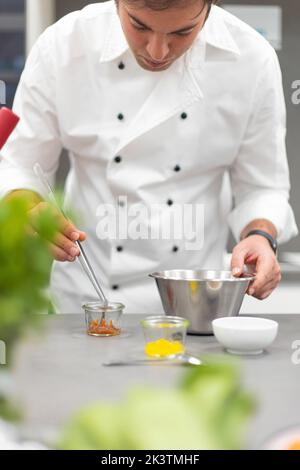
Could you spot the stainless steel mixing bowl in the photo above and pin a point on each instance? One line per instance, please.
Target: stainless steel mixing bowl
(201, 296)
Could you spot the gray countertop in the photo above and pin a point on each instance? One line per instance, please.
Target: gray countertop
(61, 370)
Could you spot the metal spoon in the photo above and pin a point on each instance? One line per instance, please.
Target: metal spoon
(82, 257)
(182, 359)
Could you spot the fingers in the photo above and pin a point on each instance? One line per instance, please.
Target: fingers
(63, 246)
(256, 252)
(265, 283)
(267, 269)
(82, 236)
(59, 254)
(268, 287)
(70, 231)
(267, 294)
(265, 291)
(238, 261)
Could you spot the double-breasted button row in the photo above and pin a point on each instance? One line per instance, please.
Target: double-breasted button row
(121, 66)
(169, 202)
(121, 117)
(175, 249)
(121, 248)
(118, 159)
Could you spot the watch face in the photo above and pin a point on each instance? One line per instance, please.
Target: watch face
(274, 245)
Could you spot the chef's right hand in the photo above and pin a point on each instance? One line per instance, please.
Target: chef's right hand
(63, 246)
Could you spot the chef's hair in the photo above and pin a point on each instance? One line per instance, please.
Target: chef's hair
(165, 4)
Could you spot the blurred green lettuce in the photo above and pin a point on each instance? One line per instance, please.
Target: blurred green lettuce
(208, 410)
(25, 263)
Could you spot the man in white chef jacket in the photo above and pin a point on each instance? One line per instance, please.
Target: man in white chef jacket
(155, 101)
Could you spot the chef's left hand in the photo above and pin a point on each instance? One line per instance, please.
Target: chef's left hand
(256, 252)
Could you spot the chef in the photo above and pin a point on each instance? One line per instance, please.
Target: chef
(173, 115)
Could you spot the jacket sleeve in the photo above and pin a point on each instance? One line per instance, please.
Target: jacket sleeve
(37, 137)
(260, 174)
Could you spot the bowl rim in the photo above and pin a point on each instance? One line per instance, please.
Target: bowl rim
(182, 322)
(94, 306)
(245, 277)
(265, 323)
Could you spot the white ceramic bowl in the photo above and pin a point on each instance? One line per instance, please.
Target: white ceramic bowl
(245, 335)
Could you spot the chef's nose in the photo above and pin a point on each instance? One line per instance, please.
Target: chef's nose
(157, 47)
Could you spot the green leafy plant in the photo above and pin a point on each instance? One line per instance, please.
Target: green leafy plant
(208, 410)
(25, 265)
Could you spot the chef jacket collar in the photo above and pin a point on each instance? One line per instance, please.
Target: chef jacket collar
(115, 42)
(217, 33)
(214, 33)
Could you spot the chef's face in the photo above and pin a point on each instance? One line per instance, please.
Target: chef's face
(158, 37)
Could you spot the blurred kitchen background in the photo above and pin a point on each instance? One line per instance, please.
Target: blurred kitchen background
(21, 22)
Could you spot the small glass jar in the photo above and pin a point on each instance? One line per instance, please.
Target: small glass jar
(164, 335)
(103, 320)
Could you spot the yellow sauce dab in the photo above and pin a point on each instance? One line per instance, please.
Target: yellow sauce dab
(193, 286)
(163, 348)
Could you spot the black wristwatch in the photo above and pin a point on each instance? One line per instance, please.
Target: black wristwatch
(271, 240)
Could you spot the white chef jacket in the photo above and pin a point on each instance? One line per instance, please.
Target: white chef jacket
(217, 110)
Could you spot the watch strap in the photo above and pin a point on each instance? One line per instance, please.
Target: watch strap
(271, 240)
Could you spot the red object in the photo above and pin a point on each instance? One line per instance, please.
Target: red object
(8, 121)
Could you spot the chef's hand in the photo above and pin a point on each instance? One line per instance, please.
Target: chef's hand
(62, 246)
(256, 252)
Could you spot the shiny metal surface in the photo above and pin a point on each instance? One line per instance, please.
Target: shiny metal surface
(179, 359)
(201, 296)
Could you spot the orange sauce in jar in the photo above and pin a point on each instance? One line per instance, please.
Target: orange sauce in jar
(102, 328)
